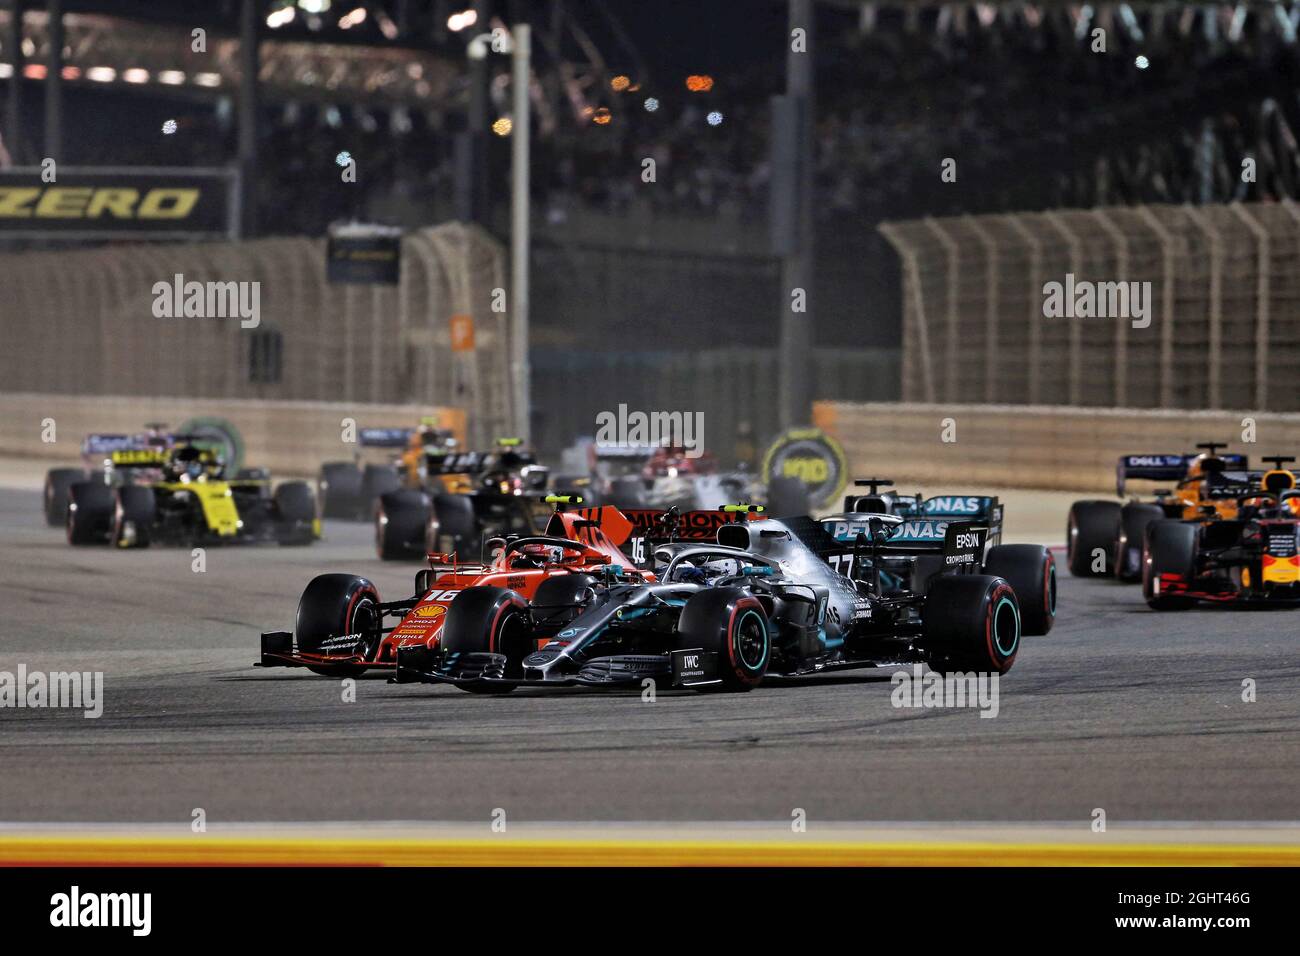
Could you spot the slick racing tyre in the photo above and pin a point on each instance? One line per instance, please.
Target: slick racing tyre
(1093, 527)
(376, 481)
(453, 526)
(483, 621)
(339, 488)
(401, 523)
(559, 599)
(1030, 569)
(90, 512)
(335, 606)
(1133, 521)
(731, 623)
(133, 517)
(1169, 548)
(58, 483)
(971, 622)
(295, 513)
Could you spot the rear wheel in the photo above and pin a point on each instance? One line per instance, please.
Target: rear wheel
(1091, 533)
(484, 621)
(1030, 569)
(339, 487)
(971, 622)
(731, 623)
(90, 512)
(1134, 518)
(453, 525)
(133, 516)
(58, 483)
(295, 513)
(401, 523)
(1169, 548)
(376, 481)
(337, 606)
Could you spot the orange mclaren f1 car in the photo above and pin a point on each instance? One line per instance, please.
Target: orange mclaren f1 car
(1104, 538)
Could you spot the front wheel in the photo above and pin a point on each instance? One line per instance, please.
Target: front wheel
(1133, 522)
(91, 505)
(731, 623)
(487, 634)
(1168, 556)
(295, 512)
(971, 622)
(1090, 535)
(58, 483)
(1030, 569)
(339, 614)
(133, 516)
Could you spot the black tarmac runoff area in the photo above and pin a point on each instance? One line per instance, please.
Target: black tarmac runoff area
(1137, 712)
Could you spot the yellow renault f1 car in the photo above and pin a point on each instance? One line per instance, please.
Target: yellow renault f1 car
(178, 494)
(1104, 538)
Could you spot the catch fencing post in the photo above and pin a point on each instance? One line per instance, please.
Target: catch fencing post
(1261, 302)
(1214, 368)
(1076, 327)
(1121, 329)
(991, 314)
(950, 344)
(1035, 307)
(1167, 305)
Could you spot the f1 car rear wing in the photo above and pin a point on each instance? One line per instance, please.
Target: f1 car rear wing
(623, 452)
(1163, 468)
(128, 451)
(385, 437)
(920, 525)
(654, 526)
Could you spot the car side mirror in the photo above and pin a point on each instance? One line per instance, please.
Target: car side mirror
(423, 581)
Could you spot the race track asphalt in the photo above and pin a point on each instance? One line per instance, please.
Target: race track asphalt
(1120, 708)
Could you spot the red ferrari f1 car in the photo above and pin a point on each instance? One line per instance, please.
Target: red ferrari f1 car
(343, 627)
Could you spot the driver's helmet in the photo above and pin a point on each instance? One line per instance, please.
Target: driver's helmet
(187, 463)
(1204, 465)
(687, 573)
(511, 461)
(534, 556)
(428, 436)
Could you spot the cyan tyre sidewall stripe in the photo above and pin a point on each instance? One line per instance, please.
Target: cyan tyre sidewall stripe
(997, 612)
(735, 641)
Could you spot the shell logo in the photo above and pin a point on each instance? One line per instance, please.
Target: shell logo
(428, 611)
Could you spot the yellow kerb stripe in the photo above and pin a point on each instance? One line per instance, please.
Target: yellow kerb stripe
(214, 850)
